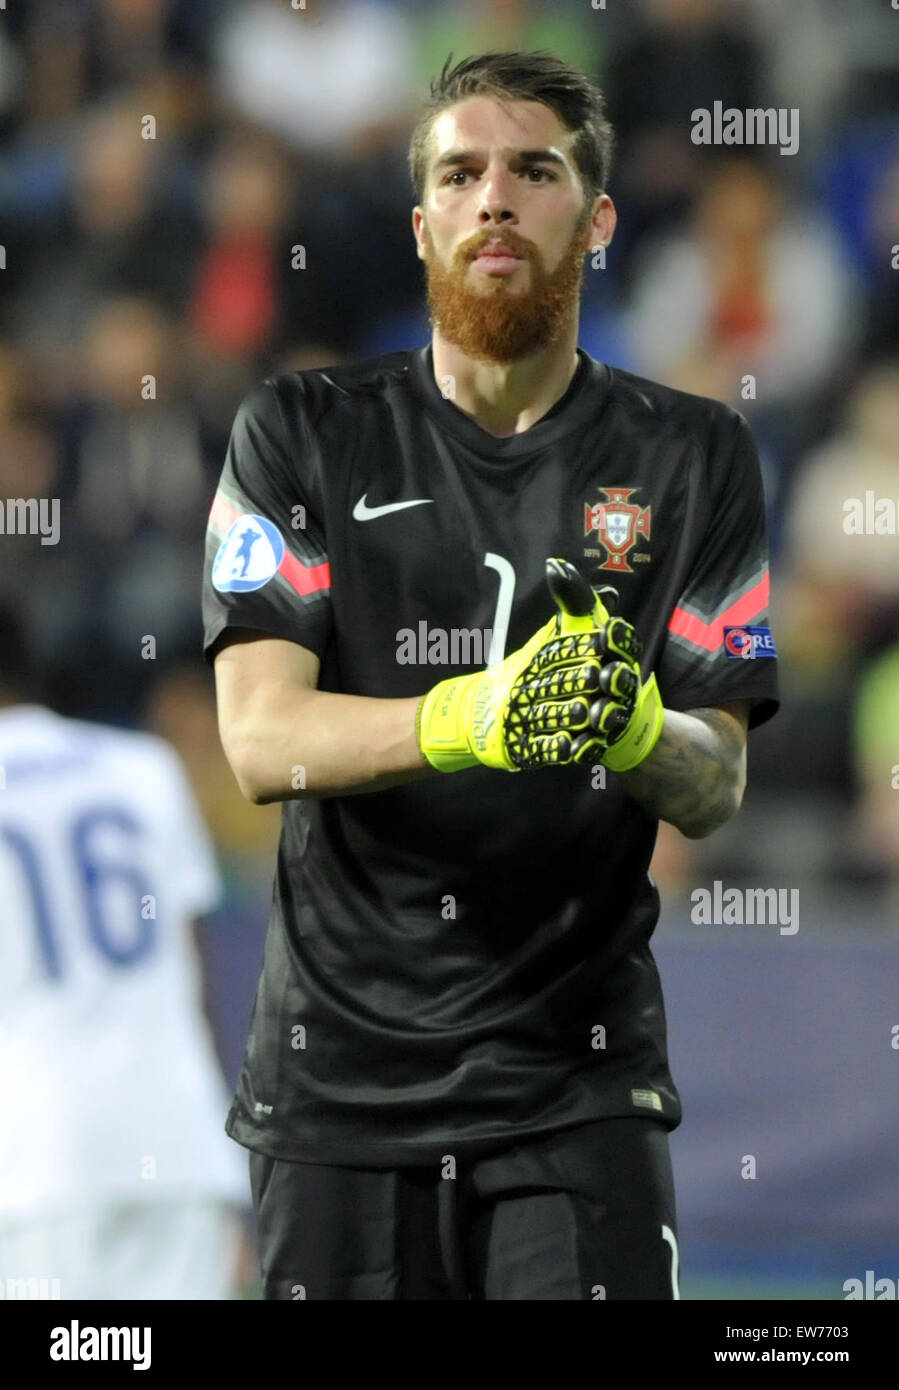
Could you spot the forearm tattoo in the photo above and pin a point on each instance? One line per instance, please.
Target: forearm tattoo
(695, 774)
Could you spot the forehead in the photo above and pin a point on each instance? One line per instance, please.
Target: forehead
(483, 123)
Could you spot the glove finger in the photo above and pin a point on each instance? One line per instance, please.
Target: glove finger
(616, 640)
(607, 597)
(596, 618)
(609, 719)
(570, 590)
(591, 728)
(569, 648)
(621, 681)
(580, 605)
(619, 641)
(549, 750)
(558, 682)
(565, 716)
(587, 747)
(542, 744)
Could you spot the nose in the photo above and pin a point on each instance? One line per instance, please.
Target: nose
(496, 198)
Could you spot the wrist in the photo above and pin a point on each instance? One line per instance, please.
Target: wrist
(440, 726)
(642, 733)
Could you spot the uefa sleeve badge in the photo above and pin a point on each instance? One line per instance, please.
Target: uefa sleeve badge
(248, 557)
(748, 643)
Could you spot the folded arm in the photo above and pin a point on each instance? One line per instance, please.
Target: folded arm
(286, 740)
(695, 776)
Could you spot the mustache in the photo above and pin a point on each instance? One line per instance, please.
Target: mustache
(469, 249)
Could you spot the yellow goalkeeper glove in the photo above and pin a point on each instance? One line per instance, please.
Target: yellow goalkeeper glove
(566, 696)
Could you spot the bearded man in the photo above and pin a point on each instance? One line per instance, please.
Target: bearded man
(456, 1084)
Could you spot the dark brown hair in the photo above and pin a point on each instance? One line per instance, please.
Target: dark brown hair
(578, 103)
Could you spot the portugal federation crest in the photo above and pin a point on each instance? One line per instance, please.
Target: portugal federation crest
(619, 524)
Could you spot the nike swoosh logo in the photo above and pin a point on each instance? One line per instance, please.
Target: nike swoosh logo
(363, 513)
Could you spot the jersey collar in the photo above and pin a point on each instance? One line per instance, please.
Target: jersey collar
(584, 398)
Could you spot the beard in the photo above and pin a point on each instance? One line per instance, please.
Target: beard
(496, 323)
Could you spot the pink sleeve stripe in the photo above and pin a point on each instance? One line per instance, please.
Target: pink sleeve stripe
(302, 579)
(305, 580)
(222, 516)
(708, 636)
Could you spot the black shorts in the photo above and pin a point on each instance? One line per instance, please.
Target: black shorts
(587, 1213)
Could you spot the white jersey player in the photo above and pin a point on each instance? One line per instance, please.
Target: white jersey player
(116, 1177)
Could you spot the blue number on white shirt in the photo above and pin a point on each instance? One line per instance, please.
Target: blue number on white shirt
(93, 877)
(97, 877)
(43, 926)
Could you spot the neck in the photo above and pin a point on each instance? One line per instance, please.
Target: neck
(506, 398)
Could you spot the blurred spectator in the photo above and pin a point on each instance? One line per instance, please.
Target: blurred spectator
(141, 486)
(14, 383)
(132, 498)
(320, 76)
(857, 187)
(280, 248)
(754, 286)
(805, 64)
(685, 54)
(137, 456)
(105, 241)
(86, 52)
(883, 208)
(842, 592)
(28, 469)
(235, 307)
(572, 32)
(11, 73)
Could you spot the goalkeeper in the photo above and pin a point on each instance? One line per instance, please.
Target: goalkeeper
(456, 1081)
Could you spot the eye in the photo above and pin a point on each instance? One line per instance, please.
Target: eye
(544, 173)
(456, 174)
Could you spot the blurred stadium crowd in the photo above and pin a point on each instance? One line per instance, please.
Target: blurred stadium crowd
(274, 127)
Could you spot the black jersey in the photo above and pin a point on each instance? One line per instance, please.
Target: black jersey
(460, 962)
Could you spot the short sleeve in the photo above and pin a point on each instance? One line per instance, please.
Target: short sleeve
(266, 564)
(719, 646)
